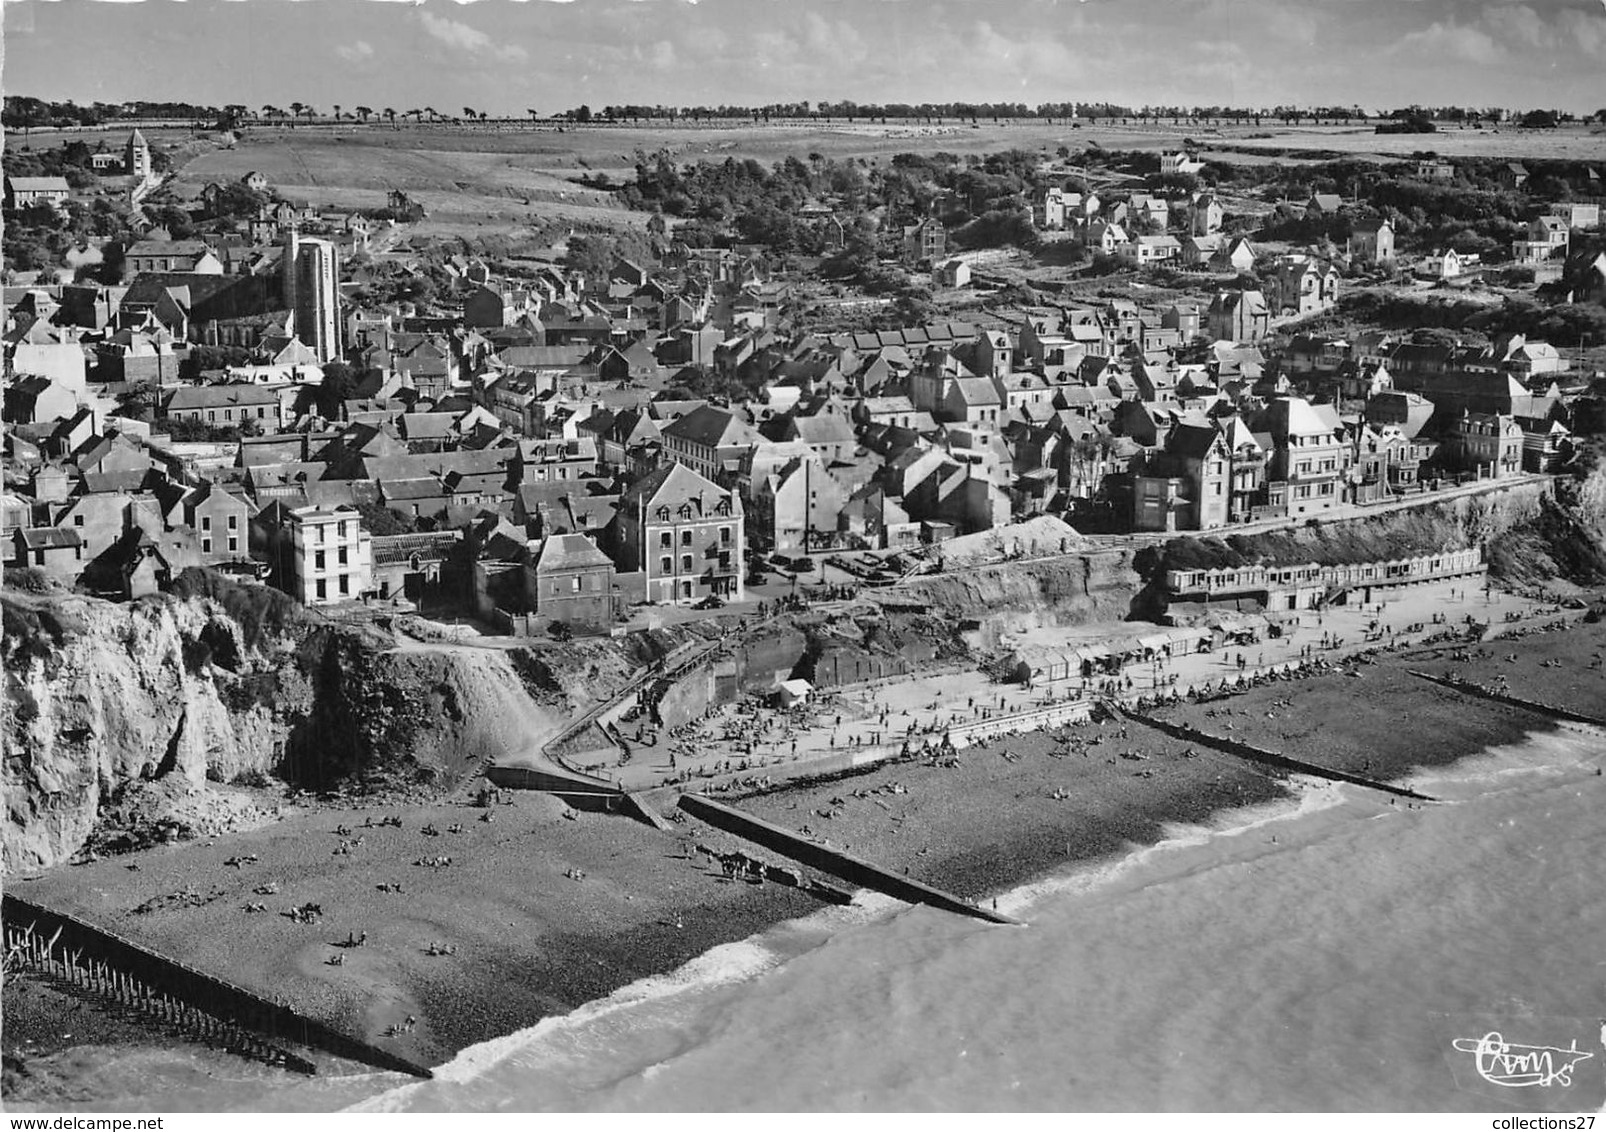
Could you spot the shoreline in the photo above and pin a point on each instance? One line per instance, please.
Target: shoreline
(1011, 812)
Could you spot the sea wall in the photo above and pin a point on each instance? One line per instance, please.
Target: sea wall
(835, 862)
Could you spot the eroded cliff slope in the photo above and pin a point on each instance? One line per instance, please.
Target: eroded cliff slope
(165, 717)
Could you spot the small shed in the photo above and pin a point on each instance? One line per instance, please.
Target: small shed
(790, 693)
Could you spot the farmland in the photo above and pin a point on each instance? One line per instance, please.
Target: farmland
(513, 175)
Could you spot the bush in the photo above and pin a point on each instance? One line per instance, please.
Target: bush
(31, 580)
(35, 631)
(262, 613)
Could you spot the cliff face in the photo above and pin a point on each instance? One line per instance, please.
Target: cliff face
(128, 722)
(1072, 589)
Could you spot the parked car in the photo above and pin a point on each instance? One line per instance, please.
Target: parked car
(712, 601)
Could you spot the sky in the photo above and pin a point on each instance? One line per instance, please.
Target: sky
(506, 57)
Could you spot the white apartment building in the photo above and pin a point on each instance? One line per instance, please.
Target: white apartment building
(328, 556)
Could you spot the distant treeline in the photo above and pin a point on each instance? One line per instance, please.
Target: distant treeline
(23, 112)
(1405, 117)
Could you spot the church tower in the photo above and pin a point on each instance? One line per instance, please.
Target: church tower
(137, 158)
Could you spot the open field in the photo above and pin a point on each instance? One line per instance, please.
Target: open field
(508, 174)
(611, 147)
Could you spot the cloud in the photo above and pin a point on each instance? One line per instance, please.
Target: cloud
(461, 37)
(1452, 41)
(359, 52)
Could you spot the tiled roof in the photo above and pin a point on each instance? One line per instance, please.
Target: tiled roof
(50, 538)
(219, 396)
(569, 552)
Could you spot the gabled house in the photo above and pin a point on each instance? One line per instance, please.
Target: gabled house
(925, 241)
(221, 522)
(57, 551)
(1308, 454)
(709, 440)
(1207, 215)
(683, 534)
(1372, 241)
(1490, 444)
(1301, 285)
(1236, 254)
(1238, 316)
(574, 581)
(1512, 175)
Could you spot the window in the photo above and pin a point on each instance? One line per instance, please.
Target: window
(317, 560)
(666, 565)
(206, 522)
(724, 536)
(211, 415)
(234, 544)
(685, 563)
(345, 529)
(234, 522)
(685, 537)
(340, 556)
(576, 581)
(77, 520)
(206, 546)
(321, 588)
(665, 539)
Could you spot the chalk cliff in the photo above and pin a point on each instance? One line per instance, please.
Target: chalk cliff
(125, 723)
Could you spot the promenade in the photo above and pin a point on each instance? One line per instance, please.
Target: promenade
(864, 723)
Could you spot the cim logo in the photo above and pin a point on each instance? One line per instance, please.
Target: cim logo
(1514, 1066)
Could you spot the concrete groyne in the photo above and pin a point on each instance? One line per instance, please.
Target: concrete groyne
(106, 963)
(835, 862)
(1269, 758)
(1468, 688)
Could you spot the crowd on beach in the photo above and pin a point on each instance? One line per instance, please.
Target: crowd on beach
(884, 718)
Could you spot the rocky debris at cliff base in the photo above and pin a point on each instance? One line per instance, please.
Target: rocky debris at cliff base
(145, 813)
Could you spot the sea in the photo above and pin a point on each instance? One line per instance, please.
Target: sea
(1341, 953)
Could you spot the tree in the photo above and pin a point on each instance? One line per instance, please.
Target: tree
(390, 115)
(468, 112)
(533, 115)
(377, 519)
(339, 384)
(363, 112)
(337, 112)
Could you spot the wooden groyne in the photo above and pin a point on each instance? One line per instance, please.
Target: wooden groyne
(62, 946)
(835, 862)
(30, 949)
(1269, 758)
(1471, 689)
